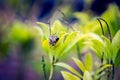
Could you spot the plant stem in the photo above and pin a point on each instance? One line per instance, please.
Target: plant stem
(102, 58)
(44, 69)
(51, 72)
(112, 73)
(52, 68)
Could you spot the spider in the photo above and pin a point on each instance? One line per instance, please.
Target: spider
(53, 39)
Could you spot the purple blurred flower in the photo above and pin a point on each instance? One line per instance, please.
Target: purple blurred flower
(12, 68)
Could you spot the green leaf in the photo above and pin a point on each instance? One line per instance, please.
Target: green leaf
(108, 49)
(99, 76)
(69, 68)
(38, 30)
(97, 47)
(45, 45)
(83, 17)
(61, 39)
(71, 37)
(102, 68)
(117, 59)
(116, 44)
(68, 76)
(19, 32)
(87, 76)
(68, 43)
(45, 28)
(60, 44)
(79, 64)
(88, 62)
(96, 44)
(112, 16)
(58, 27)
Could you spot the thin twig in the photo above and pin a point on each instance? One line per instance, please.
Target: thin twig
(49, 27)
(44, 69)
(101, 26)
(103, 35)
(63, 14)
(107, 28)
(67, 23)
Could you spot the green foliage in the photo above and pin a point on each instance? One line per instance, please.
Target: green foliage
(117, 61)
(88, 34)
(87, 69)
(19, 32)
(64, 44)
(69, 76)
(96, 44)
(87, 76)
(44, 32)
(79, 64)
(116, 48)
(103, 44)
(86, 24)
(103, 68)
(88, 62)
(69, 68)
(112, 16)
(116, 44)
(111, 49)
